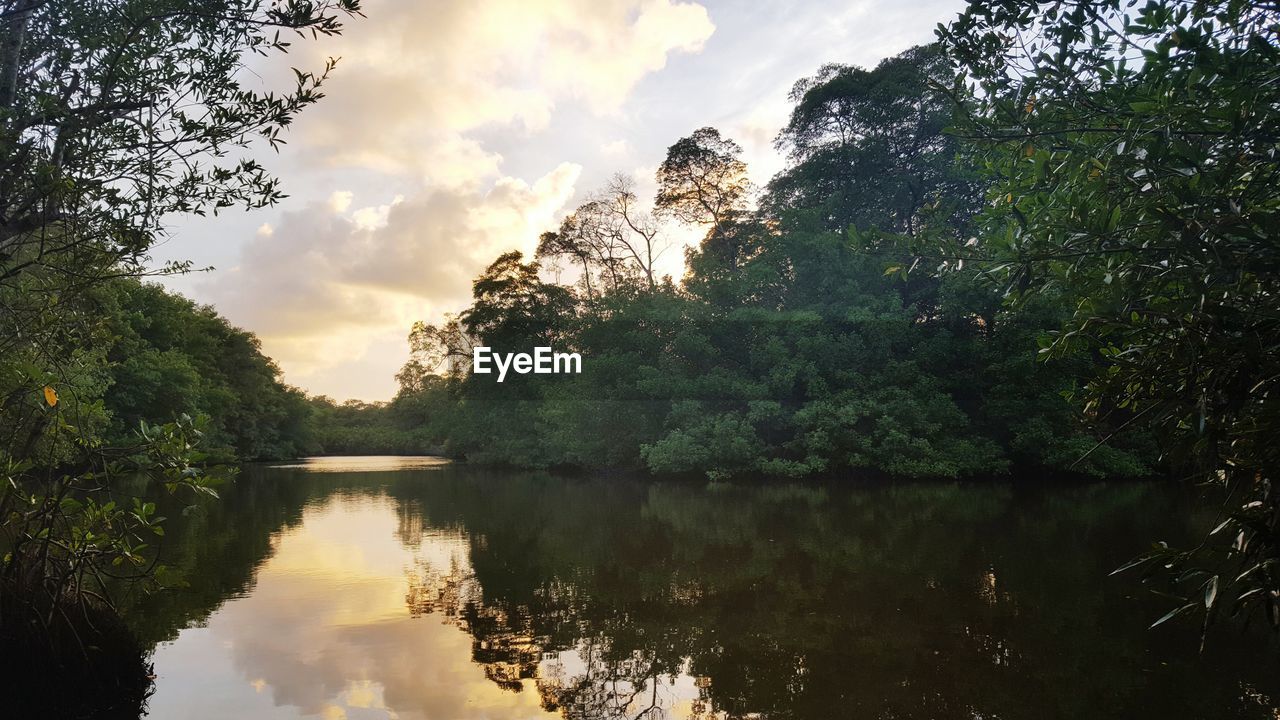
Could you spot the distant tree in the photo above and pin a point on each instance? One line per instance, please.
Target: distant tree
(569, 242)
(635, 230)
(611, 237)
(432, 347)
(171, 357)
(359, 428)
(703, 180)
(867, 147)
(513, 307)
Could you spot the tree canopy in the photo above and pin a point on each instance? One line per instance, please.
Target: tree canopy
(786, 350)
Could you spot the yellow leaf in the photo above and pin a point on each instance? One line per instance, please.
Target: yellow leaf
(50, 396)
(1031, 150)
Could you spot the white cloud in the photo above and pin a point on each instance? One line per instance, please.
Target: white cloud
(340, 200)
(330, 286)
(327, 281)
(615, 148)
(374, 217)
(416, 77)
(432, 246)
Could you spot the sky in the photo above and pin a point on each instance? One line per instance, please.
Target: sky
(452, 132)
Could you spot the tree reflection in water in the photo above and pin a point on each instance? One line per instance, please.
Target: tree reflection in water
(612, 599)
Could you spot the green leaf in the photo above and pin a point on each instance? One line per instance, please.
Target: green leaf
(1171, 615)
(1210, 592)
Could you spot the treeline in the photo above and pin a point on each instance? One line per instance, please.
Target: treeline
(160, 357)
(811, 333)
(359, 428)
(165, 357)
(169, 357)
(1049, 241)
(150, 356)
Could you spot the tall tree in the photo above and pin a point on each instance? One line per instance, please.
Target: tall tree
(703, 180)
(513, 307)
(612, 237)
(867, 147)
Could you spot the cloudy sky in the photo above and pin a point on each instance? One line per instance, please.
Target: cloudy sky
(453, 131)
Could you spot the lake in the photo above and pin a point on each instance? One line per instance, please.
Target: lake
(412, 588)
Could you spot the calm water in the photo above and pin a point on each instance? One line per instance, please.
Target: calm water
(386, 588)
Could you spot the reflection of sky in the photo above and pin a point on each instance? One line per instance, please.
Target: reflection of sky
(671, 697)
(326, 633)
(364, 463)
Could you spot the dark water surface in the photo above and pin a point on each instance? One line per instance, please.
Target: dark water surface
(387, 588)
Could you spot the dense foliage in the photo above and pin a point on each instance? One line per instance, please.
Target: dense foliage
(359, 428)
(798, 343)
(1107, 192)
(1134, 151)
(171, 358)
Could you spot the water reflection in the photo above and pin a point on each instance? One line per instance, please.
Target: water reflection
(453, 592)
(363, 463)
(325, 632)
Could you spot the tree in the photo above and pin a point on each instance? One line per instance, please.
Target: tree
(788, 351)
(171, 357)
(512, 310)
(400, 427)
(569, 242)
(636, 231)
(116, 114)
(611, 237)
(703, 180)
(448, 344)
(113, 116)
(867, 147)
(513, 307)
(1134, 152)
